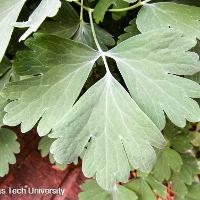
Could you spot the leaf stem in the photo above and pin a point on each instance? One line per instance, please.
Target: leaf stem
(81, 12)
(138, 4)
(97, 43)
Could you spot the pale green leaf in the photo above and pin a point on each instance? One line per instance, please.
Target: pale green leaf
(46, 8)
(167, 162)
(9, 11)
(91, 191)
(167, 14)
(48, 97)
(149, 64)
(8, 148)
(113, 146)
(44, 147)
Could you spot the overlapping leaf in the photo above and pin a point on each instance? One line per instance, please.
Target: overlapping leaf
(9, 11)
(167, 14)
(66, 24)
(130, 31)
(103, 5)
(168, 161)
(113, 146)
(149, 64)
(180, 139)
(46, 8)
(44, 147)
(8, 148)
(91, 191)
(49, 96)
(147, 188)
(186, 176)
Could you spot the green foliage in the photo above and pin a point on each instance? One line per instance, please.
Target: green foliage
(8, 148)
(106, 105)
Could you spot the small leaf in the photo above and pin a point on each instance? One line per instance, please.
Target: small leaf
(142, 189)
(167, 14)
(130, 31)
(194, 192)
(48, 97)
(44, 147)
(46, 8)
(149, 64)
(8, 147)
(168, 161)
(179, 138)
(103, 5)
(91, 191)
(9, 11)
(113, 146)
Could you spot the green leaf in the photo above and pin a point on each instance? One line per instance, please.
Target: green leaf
(91, 191)
(180, 139)
(113, 146)
(168, 161)
(8, 147)
(84, 35)
(194, 192)
(186, 176)
(103, 5)
(48, 97)
(5, 75)
(130, 31)
(149, 64)
(44, 147)
(9, 11)
(166, 14)
(142, 189)
(64, 24)
(46, 8)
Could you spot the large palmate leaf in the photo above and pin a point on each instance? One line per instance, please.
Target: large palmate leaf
(47, 8)
(149, 64)
(48, 97)
(166, 14)
(9, 11)
(8, 147)
(91, 191)
(117, 142)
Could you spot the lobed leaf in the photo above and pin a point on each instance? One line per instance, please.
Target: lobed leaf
(48, 97)
(168, 14)
(149, 64)
(8, 148)
(114, 147)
